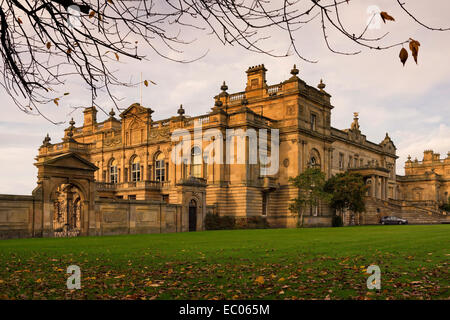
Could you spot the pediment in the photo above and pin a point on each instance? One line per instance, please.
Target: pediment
(70, 161)
(135, 108)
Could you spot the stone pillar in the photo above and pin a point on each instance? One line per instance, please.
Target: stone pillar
(374, 186)
(303, 155)
(379, 185)
(386, 188)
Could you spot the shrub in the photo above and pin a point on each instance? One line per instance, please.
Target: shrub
(216, 222)
(337, 221)
(255, 222)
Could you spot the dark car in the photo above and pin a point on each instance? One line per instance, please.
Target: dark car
(393, 220)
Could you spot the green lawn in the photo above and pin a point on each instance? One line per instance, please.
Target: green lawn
(323, 263)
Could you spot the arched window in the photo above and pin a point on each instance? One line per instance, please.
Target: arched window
(135, 170)
(113, 171)
(314, 159)
(196, 162)
(160, 167)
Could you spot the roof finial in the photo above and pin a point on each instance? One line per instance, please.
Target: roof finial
(294, 71)
(224, 87)
(70, 133)
(180, 110)
(46, 140)
(321, 85)
(112, 113)
(355, 123)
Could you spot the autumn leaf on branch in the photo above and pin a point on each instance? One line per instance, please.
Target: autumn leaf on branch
(385, 16)
(403, 56)
(414, 47)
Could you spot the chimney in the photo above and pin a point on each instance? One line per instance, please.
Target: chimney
(90, 117)
(256, 77)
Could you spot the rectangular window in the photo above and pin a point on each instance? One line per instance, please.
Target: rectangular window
(113, 174)
(135, 172)
(132, 197)
(313, 121)
(160, 170)
(264, 204)
(341, 161)
(314, 210)
(350, 158)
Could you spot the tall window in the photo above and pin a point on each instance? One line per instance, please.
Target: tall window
(160, 167)
(341, 161)
(196, 162)
(135, 170)
(264, 204)
(113, 171)
(313, 121)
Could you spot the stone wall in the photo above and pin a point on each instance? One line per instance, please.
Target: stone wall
(16, 216)
(21, 217)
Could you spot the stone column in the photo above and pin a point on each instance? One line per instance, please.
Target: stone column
(386, 189)
(379, 187)
(377, 192)
(374, 186)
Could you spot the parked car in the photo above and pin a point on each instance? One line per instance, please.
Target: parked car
(393, 220)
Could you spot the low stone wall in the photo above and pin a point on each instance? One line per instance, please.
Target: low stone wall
(136, 216)
(16, 216)
(21, 217)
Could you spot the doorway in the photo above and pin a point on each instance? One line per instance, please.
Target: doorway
(192, 215)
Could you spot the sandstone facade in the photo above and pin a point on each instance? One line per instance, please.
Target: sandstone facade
(119, 175)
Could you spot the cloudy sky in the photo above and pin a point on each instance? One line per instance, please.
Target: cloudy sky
(411, 103)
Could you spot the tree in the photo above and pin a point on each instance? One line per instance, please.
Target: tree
(347, 192)
(44, 42)
(311, 194)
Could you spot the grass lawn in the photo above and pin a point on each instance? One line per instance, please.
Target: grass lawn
(323, 263)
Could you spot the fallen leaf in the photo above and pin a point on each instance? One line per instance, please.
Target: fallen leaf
(260, 280)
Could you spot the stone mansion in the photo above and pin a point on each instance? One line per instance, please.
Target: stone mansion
(118, 176)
